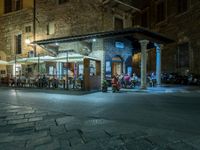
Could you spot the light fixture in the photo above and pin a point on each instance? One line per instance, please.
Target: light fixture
(94, 40)
(57, 44)
(28, 41)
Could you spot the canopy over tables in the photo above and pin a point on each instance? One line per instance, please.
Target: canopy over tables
(2, 62)
(71, 57)
(29, 60)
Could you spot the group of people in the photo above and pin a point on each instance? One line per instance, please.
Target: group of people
(128, 81)
(40, 81)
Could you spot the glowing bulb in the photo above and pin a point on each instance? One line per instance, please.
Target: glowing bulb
(27, 41)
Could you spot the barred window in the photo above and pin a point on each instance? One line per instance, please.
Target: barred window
(18, 44)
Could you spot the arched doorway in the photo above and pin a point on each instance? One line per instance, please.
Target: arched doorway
(117, 65)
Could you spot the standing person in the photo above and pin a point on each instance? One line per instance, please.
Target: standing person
(126, 80)
(134, 79)
(80, 78)
(121, 80)
(44, 81)
(115, 84)
(23, 80)
(153, 78)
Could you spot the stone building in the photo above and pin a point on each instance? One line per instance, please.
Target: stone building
(67, 18)
(178, 19)
(16, 19)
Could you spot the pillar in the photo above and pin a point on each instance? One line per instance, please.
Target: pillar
(143, 44)
(158, 63)
(99, 52)
(59, 69)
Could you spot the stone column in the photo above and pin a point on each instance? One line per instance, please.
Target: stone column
(158, 63)
(99, 52)
(143, 44)
(59, 70)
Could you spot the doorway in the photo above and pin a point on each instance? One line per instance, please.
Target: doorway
(117, 65)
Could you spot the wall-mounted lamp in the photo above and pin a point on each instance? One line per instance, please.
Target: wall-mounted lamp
(28, 41)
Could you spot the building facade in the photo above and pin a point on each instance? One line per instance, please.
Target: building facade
(16, 25)
(19, 26)
(179, 20)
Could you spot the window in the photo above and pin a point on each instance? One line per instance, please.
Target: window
(28, 29)
(144, 21)
(161, 11)
(62, 1)
(50, 28)
(133, 21)
(183, 55)
(18, 4)
(118, 23)
(12, 5)
(7, 6)
(18, 44)
(182, 5)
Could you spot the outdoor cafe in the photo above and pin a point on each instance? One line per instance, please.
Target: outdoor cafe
(68, 70)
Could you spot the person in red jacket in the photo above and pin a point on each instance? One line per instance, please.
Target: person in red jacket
(115, 84)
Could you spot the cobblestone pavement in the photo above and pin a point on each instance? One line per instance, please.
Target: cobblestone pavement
(23, 127)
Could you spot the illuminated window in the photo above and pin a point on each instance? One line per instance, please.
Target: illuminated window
(50, 28)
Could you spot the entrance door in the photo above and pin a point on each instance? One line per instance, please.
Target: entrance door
(116, 68)
(116, 65)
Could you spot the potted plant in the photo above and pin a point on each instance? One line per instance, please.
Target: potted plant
(104, 86)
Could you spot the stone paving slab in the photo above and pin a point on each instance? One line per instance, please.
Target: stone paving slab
(24, 127)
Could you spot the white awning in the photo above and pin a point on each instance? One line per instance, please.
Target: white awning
(69, 58)
(29, 60)
(2, 62)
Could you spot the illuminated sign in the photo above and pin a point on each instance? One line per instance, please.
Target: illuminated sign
(119, 44)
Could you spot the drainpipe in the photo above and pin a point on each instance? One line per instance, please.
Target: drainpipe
(34, 25)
